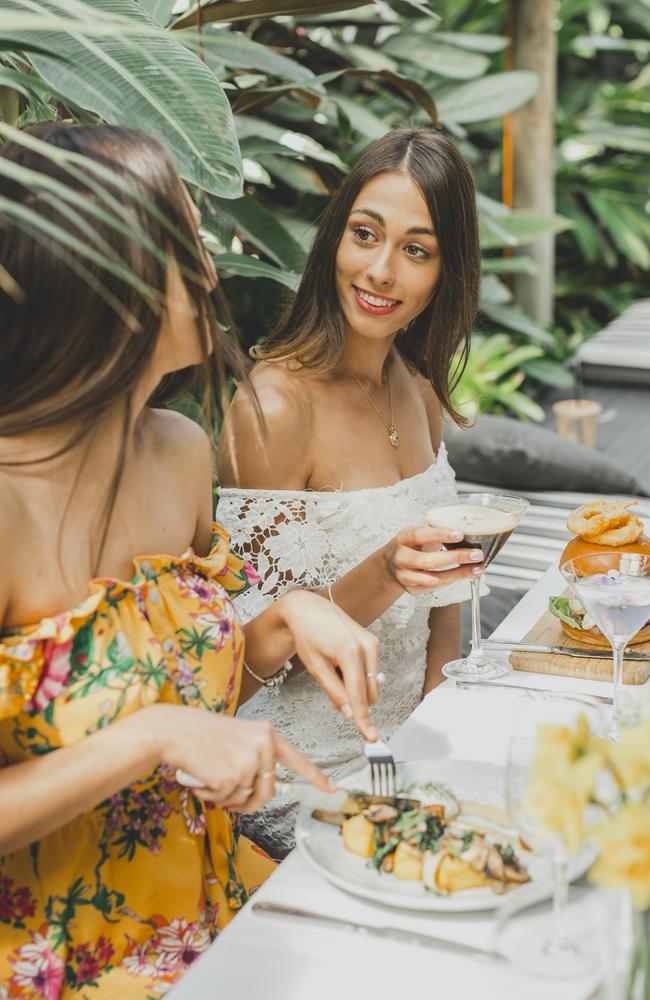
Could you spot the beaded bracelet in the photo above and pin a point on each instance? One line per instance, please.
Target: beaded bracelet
(274, 682)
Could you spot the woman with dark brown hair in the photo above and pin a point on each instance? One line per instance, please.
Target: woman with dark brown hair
(331, 491)
(120, 669)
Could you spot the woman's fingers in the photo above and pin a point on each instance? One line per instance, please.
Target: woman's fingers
(436, 561)
(414, 582)
(354, 665)
(416, 537)
(295, 761)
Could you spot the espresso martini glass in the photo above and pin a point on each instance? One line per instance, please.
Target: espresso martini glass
(486, 520)
(614, 588)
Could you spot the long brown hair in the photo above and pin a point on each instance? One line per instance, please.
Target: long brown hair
(313, 330)
(80, 321)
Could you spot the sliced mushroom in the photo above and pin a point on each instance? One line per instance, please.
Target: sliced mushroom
(494, 866)
(335, 818)
(381, 814)
(477, 854)
(516, 875)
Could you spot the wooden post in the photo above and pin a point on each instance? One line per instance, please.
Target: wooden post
(534, 46)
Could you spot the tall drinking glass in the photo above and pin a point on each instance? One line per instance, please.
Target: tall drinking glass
(614, 588)
(487, 520)
(560, 951)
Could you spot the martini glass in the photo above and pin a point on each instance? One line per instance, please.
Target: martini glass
(487, 520)
(614, 588)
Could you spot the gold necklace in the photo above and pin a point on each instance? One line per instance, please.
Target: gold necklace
(391, 429)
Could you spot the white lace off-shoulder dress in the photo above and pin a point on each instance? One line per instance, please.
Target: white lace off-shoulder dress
(311, 539)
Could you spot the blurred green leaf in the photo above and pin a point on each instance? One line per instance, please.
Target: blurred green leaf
(160, 10)
(514, 318)
(475, 43)
(235, 49)
(515, 264)
(152, 79)
(490, 97)
(251, 267)
(259, 225)
(520, 227)
(550, 373)
(436, 57)
(244, 10)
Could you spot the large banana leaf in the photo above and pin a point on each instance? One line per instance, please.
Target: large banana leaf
(490, 97)
(473, 42)
(151, 82)
(243, 10)
(160, 10)
(251, 267)
(519, 227)
(233, 48)
(436, 57)
(258, 224)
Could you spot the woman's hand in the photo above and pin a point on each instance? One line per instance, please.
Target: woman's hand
(339, 654)
(417, 560)
(234, 758)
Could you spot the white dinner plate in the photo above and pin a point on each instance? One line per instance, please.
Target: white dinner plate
(322, 845)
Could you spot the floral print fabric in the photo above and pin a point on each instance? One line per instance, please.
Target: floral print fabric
(119, 902)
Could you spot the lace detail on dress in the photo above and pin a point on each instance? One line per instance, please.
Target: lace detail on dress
(311, 539)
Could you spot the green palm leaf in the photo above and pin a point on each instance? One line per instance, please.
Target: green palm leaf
(242, 10)
(145, 79)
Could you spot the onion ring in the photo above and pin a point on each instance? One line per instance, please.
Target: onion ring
(624, 534)
(592, 519)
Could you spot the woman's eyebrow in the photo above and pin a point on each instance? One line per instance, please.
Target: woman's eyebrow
(413, 231)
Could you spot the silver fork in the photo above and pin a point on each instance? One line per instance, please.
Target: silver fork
(382, 768)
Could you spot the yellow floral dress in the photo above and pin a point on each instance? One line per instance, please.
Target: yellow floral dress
(120, 901)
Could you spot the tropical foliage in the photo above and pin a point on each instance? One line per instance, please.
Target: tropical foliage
(264, 104)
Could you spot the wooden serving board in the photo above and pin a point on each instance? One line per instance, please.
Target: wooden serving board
(548, 631)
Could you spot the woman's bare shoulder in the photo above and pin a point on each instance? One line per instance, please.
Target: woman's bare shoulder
(177, 436)
(267, 431)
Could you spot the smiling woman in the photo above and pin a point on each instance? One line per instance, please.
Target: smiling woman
(352, 385)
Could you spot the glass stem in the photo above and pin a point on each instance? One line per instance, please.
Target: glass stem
(617, 676)
(558, 940)
(475, 585)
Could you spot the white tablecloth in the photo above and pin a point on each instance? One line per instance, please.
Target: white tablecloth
(267, 958)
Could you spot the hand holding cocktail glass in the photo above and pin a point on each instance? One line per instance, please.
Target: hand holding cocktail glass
(487, 520)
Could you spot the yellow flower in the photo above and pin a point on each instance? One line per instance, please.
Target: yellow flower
(630, 757)
(624, 860)
(557, 799)
(559, 746)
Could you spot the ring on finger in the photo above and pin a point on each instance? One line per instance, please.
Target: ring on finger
(265, 775)
(380, 677)
(243, 790)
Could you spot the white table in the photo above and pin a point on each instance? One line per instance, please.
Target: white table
(267, 958)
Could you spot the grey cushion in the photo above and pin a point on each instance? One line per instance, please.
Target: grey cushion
(510, 454)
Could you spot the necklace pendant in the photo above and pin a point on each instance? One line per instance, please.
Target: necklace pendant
(393, 436)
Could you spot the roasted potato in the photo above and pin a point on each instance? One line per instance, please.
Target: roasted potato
(453, 874)
(359, 835)
(407, 862)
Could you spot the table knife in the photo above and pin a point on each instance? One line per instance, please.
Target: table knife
(467, 685)
(377, 930)
(308, 795)
(533, 647)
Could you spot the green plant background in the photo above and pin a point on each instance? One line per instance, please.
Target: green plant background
(266, 106)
